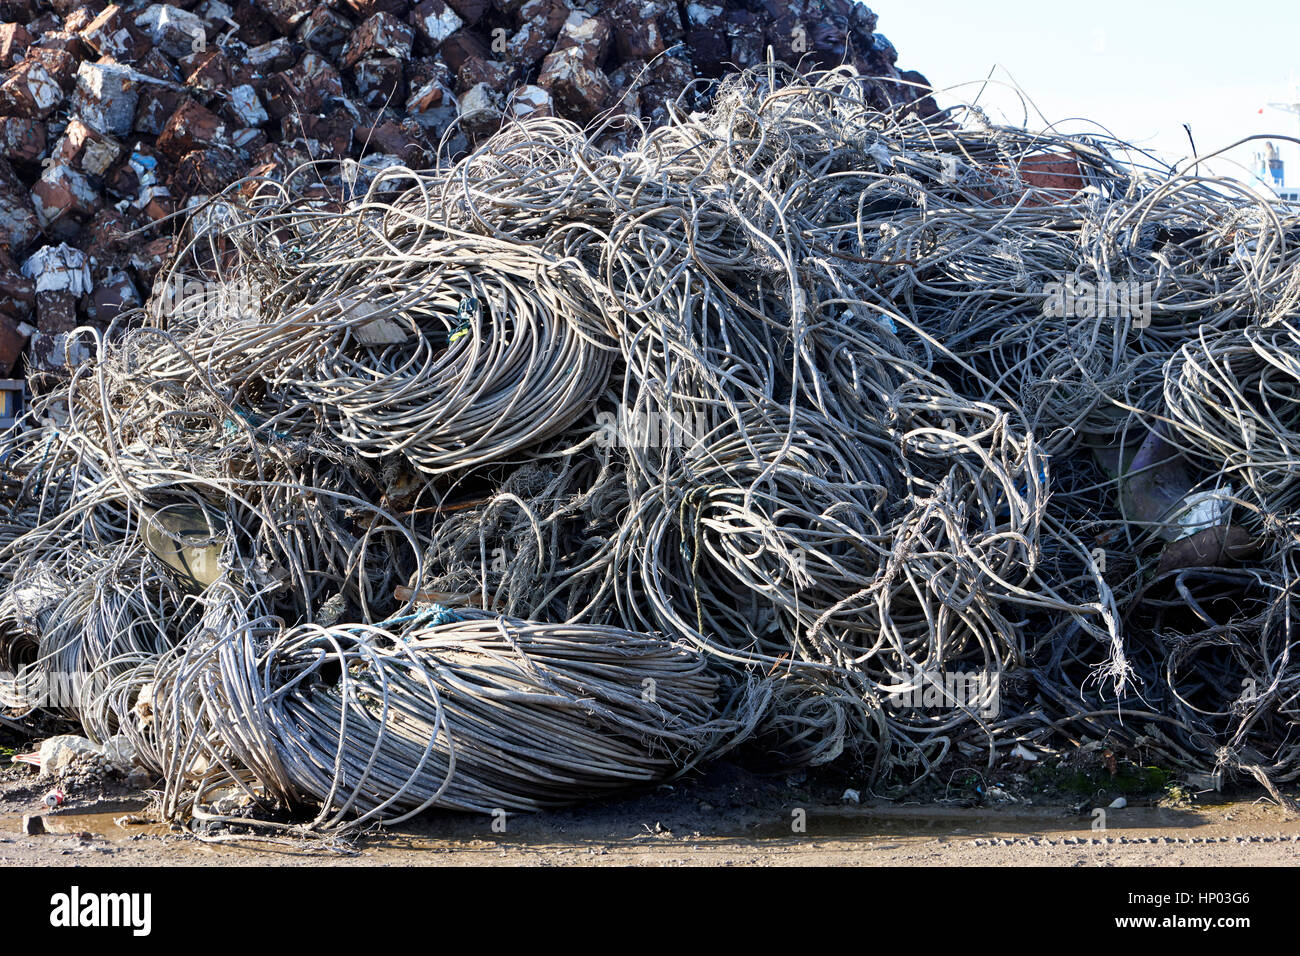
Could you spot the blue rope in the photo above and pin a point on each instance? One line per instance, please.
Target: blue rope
(437, 612)
(258, 423)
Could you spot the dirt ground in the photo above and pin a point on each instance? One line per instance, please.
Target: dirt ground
(724, 817)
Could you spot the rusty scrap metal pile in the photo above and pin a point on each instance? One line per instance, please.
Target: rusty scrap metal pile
(560, 469)
(118, 117)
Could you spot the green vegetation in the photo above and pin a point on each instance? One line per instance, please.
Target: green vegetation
(1128, 779)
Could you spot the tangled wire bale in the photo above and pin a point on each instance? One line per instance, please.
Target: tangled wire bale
(802, 412)
(438, 710)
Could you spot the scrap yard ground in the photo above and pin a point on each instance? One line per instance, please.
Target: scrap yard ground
(726, 817)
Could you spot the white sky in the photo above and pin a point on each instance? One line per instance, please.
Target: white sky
(1141, 68)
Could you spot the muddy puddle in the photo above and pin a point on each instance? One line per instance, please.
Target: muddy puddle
(864, 825)
(110, 820)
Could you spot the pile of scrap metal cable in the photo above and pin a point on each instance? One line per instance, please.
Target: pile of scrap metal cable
(799, 430)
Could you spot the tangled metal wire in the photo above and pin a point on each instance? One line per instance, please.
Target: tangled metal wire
(557, 469)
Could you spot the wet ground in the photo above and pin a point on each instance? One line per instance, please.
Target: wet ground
(725, 817)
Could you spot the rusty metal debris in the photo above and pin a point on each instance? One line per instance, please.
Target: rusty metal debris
(114, 117)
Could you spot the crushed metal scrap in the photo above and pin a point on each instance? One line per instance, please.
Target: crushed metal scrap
(114, 117)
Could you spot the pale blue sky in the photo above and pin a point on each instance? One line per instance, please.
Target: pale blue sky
(1142, 68)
